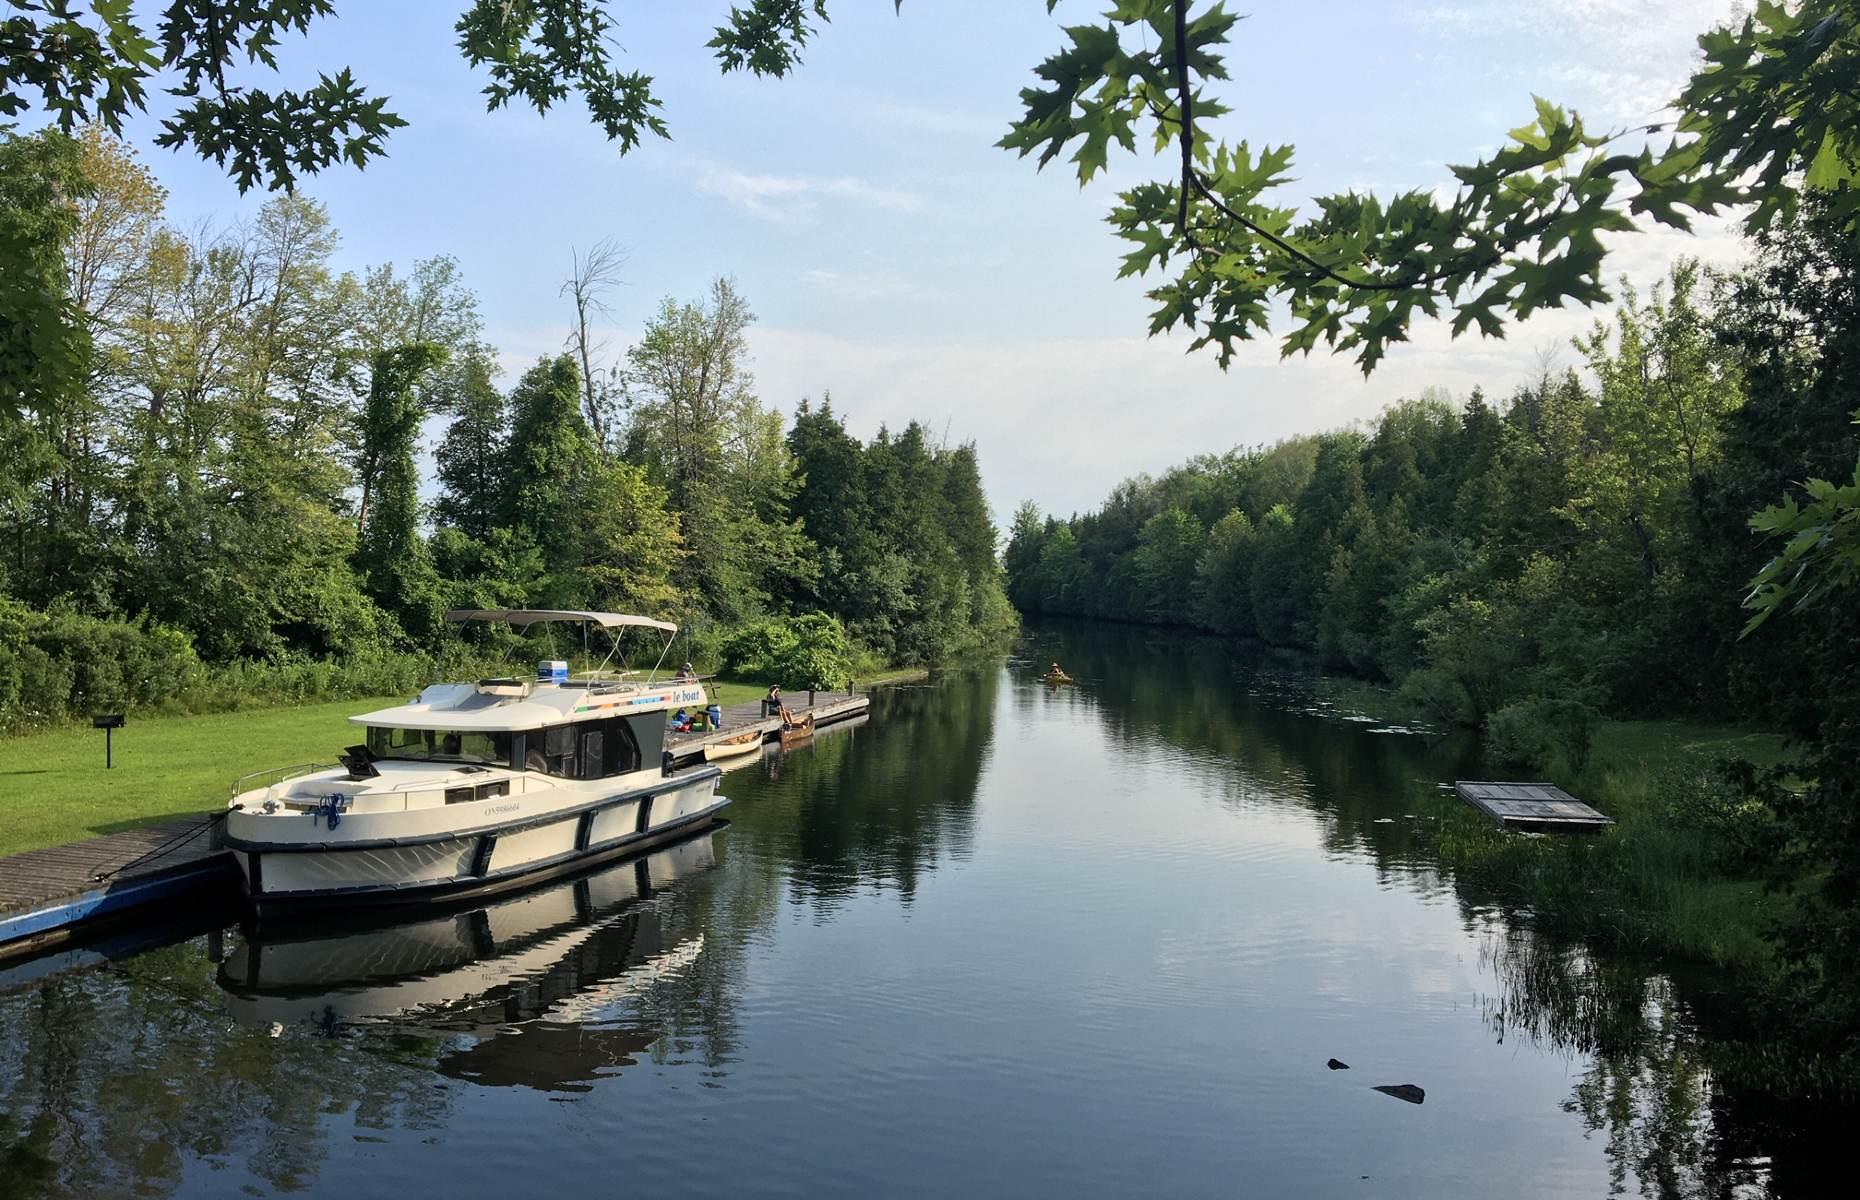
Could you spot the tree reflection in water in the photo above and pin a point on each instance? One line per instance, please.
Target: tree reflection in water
(1673, 1126)
(1646, 1089)
(135, 1078)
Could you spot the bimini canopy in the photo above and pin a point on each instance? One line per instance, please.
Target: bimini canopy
(534, 616)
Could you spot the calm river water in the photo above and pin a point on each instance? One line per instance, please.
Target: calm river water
(1000, 940)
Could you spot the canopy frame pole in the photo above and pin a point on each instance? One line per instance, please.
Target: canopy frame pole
(663, 651)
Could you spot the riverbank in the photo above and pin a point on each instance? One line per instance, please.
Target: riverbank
(55, 789)
(1677, 875)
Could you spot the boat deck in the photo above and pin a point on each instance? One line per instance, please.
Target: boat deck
(739, 719)
(45, 893)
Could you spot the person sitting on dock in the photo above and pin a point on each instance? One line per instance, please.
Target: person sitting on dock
(771, 703)
(685, 674)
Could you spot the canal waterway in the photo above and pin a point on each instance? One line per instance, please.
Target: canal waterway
(1001, 939)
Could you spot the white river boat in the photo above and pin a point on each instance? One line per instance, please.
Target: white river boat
(472, 788)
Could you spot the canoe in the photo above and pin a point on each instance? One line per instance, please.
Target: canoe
(804, 728)
(742, 743)
(1056, 678)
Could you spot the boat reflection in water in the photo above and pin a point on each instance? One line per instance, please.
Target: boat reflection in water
(534, 988)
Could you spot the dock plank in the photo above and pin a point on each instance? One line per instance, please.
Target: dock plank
(743, 718)
(40, 877)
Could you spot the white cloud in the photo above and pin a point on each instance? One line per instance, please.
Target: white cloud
(796, 198)
(858, 285)
(1617, 60)
(1059, 421)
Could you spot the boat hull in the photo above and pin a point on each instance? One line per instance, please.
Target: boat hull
(734, 748)
(433, 864)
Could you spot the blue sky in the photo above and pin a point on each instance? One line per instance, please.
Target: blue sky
(900, 262)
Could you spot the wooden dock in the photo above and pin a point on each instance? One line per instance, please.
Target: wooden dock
(1543, 807)
(46, 894)
(739, 719)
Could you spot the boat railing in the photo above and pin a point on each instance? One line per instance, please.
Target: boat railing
(270, 777)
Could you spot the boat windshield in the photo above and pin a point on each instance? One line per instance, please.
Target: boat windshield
(439, 745)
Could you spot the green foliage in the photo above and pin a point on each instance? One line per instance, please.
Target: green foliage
(1820, 553)
(1537, 733)
(79, 67)
(471, 457)
(699, 431)
(392, 557)
(81, 73)
(62, 663)
(225, 464)
(44, 347)
(809, 651)
(906, 543)
(1563, 545)
(1520, 231)
(548, 449)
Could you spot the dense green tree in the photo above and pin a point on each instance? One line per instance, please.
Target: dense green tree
(1168, 553)
(392, 557)
(548, 451)
(221, 472)
(471, 457)
(695, 424)
(1225, 575)
(831, 504)
(45, 347)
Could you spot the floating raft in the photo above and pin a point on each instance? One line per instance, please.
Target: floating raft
(1537, 806)
(46, 894)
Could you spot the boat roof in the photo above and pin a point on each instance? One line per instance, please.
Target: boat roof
(534, 616)
(463, 707)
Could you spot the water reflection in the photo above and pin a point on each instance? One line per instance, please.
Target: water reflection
(536, 989)
(1642, 1039)
(846, 811)
(1093, 940)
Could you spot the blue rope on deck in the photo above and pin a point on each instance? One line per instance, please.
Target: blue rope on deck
(330, 809)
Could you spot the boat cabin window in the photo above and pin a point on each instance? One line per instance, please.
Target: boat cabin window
(586, 750)
(439, 745)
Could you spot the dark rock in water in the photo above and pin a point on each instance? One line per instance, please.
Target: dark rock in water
(1334, 1065)
(1403, 1091)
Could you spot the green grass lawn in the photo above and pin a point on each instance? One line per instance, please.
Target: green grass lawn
(54, 789)
(1633, 743)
